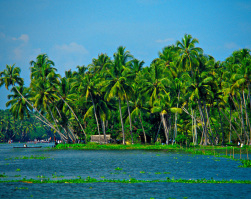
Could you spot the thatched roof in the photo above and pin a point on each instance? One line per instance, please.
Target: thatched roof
(95, 138)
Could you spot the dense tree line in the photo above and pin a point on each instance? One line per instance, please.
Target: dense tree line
(25, 129)
(184, 96)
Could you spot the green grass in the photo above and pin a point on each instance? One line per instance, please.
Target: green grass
(95, 146)
(131, 180)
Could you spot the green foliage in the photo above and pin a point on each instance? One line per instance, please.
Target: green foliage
(245, 163)
(3, 175)
(131, 180)
(183, 95)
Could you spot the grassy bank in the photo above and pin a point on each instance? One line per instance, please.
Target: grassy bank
(96, 146)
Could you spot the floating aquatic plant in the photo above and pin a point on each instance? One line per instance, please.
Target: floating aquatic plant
(21, 188)
(118, 169)
(245, 163)
(3, 175)
(131, 180)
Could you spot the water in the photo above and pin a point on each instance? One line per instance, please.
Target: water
(139, 164)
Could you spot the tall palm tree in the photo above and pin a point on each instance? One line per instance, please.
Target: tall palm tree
(188, 52)
(115, 84)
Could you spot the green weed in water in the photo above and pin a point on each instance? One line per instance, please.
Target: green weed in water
(16, 176)
(142, 172)
(28, 158)
(131, 180)
(18, 169)
(245, 163)
(118, 169)
(3, 175)
(21, 188)
(57, 176)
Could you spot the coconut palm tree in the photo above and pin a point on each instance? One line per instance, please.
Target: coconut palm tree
(188, 53)
(19, 107)
(115, 84)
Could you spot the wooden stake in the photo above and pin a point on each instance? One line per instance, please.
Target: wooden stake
(247, 153)
(233, 153)
(226, 151)
(240, 153)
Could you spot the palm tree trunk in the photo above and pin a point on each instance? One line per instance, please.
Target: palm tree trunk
(53, 117)
(205, 120)
(122, 124)
(249, 98)
(130, 120)
(103, 127)
(230, 133)
(96, 117)
(157, 133)
(192, 125)
(74, 116)
(243, 123)
(165, 126)
(247, 118)
(203, 124)
(46, 121)
(208, 120)
(195, 129)
(176, 117)
(51, 126)
(231, 125)
(222, 143)
(142, 126)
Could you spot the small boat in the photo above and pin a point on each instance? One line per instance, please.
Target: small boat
(27, 147)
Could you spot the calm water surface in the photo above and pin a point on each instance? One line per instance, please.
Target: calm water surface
(145, 165)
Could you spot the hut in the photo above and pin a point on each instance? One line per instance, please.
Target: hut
(95, 138)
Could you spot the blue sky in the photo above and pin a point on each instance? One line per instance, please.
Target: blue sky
(73, 32)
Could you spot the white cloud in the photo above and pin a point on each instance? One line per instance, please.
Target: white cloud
(23, 37)
(71, 48)
(164, 40)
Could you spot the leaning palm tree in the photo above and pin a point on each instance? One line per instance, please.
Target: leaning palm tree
(19, 107)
